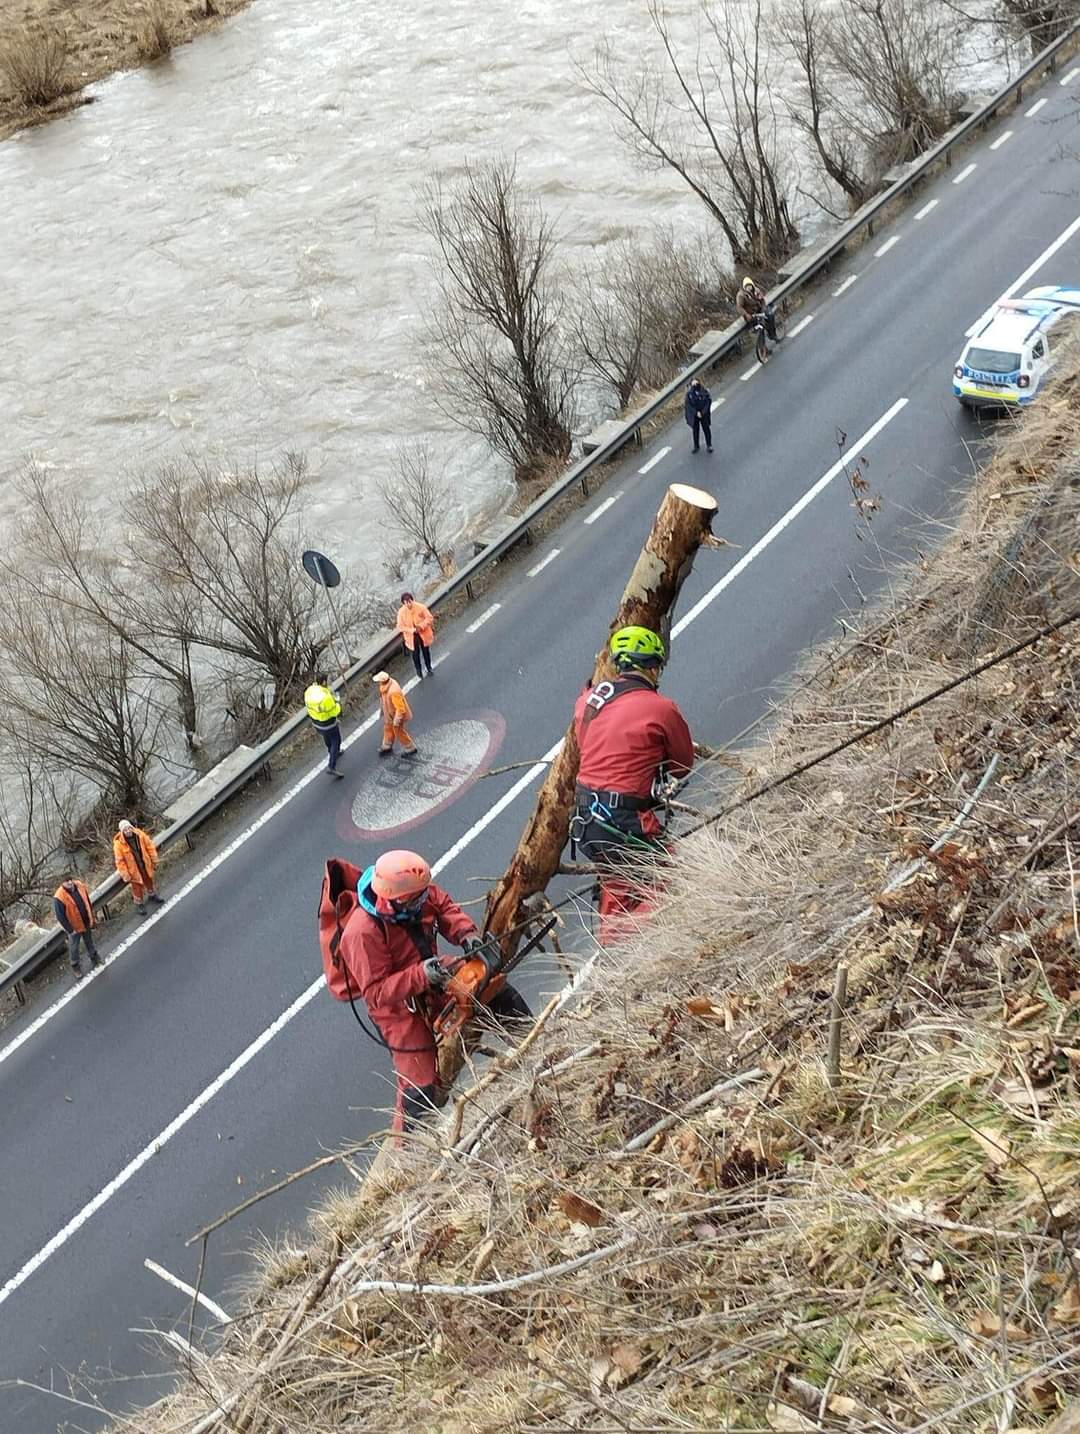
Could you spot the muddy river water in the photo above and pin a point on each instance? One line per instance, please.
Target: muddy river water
(221, 254)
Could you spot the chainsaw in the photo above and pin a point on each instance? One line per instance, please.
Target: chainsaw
(480, 977)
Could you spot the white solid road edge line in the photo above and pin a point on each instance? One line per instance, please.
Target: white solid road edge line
(189, 1290)
(655, 459)
(542, 564)
(1048, 253)
(791, 514)
(249, 1053)
(491, 611)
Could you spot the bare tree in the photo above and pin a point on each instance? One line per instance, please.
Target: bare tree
(710, 118)
(63, 548)
(498, 323)
(416, 504)
(73, 698)
(224, 550)
(1038, 21)
(649, 302)
(29, 824)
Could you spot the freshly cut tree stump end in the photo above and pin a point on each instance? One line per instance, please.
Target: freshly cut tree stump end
(695, 496)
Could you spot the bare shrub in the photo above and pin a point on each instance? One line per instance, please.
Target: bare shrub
(1038, 21)
(223, 550)
(879, 83)
(416, 504)
(154, 35)
(648, 303)
(62, 546)
(34, 64)
(709, 117)
(498, 323)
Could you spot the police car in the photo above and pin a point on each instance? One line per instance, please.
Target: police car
(1008, 356)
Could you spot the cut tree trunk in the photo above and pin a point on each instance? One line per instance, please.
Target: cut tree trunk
(682, 525)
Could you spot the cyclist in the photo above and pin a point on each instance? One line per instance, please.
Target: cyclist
(750, 301)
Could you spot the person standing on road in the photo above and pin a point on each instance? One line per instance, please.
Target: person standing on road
(378, 931)
(74, 911)
(397, 714)
(136, 859)
(699, 413)
(324, 710)
(416, 624)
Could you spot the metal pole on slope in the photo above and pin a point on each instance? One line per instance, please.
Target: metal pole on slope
(321, 570)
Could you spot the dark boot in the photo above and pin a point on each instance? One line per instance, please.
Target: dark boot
(156, 899)
(95, 958)
(78, 973)
(140, 907)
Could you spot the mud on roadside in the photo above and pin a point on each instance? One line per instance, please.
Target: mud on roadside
(100, 37)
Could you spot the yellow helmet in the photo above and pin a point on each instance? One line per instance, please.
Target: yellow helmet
(637, 647)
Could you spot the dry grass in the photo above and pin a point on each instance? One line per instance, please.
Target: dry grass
(34, 66)
(155, 32)
(895, 1252)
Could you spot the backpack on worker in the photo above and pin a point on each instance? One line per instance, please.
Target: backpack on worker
(340, 898)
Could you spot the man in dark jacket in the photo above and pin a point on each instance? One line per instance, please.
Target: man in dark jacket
(698, 412)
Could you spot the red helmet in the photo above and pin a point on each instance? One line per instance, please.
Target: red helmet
(399, 875)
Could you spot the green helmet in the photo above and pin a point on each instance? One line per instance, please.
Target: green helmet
(637, 647)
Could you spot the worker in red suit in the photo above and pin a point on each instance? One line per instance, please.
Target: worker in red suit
(379, 931)
(632, 742)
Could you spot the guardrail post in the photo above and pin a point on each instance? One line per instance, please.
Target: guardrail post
(469, 592)
(637, 438)
(528, 537)
(585, 484)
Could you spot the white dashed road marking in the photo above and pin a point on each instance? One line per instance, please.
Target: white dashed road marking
(491, 611)
(968, 169)
(886, 246)
(925, 210)
(802, 324)
(1035, 108)
(750, 372)
(544, 562)
(1068, 79)
(655, 459)
(845, 285)
(205, 1300)
(1001, 139)
(603, 507)
(716, 404)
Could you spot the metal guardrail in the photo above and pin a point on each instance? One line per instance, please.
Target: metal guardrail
(804, 267)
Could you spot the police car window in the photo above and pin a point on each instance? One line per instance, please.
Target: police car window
(1039, 351)
(993, 360)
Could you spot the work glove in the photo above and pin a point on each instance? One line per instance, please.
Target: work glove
(438, 975)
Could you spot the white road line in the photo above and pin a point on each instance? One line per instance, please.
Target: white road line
(716, 404)
(1001, 139)
(246, 1056)
(750, 372)
(1068, 79)
(491, 611)
(967, 169)
(655, 459)
(845, 285)
(789, 517)
(886, 246)
(802, 324)
(1035, 108)
(602, 508)
(189, 1290)
(178, 1342)
(925, 210)
(1048, 253)
(542, 564)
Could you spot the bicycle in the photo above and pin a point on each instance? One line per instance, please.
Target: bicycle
(760, 328)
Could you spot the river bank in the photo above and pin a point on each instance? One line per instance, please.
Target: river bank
(99, 40)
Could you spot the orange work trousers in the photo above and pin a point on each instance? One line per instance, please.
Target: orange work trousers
(390, 732)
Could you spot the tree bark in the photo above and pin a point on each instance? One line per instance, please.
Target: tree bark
(680, 528)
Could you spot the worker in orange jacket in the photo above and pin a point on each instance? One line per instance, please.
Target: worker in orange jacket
(74, 910)
(396, 715)
(136, 859)
(417, 627)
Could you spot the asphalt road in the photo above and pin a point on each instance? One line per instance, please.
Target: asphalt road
(205, 1061)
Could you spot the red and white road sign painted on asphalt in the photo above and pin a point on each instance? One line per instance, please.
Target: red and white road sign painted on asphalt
(398, 793)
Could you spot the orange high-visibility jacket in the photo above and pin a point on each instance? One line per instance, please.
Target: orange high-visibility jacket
(136, 860)
(413, 618)
(72, 898)
(395, 705)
